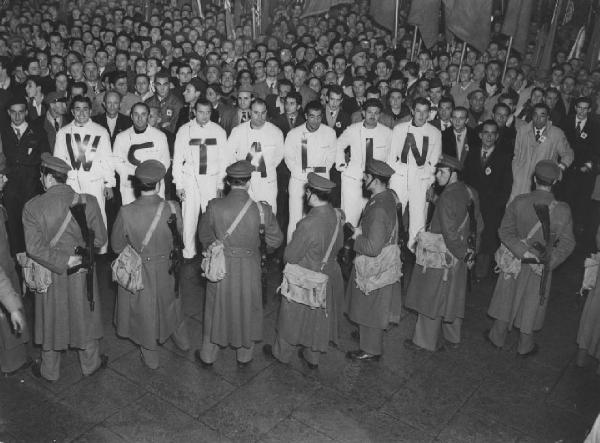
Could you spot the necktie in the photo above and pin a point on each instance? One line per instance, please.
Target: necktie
(56, 125)
(18, 133)
(292, 121)
(579, 126)
(484, 155)
(458, 137)
(244, 116)
(538, 134)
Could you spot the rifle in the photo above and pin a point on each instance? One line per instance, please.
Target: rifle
(347, 254)
(176, 255)
(471, 242)
(88, 261)
(543, 213)
(263, 261)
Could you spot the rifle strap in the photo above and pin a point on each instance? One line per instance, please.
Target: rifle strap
(153, 225)
(65, 223)
(238, 219)
(538, 225)
(471, 199)
(335, 233)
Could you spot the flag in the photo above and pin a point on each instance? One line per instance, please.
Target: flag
(578, 45)
(426, 15)
(316, 7)
(516, 23)
(470, 21)
(384, 13)
(568, 13)
(593, 51)
(546, 61)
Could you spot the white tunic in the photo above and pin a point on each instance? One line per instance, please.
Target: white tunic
(320, 151)
(131, 149)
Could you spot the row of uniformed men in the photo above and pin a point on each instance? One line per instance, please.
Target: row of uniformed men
(202, 152)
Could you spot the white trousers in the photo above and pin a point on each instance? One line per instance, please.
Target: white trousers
(296, 204)
(353, 201)
(199, 191)
(263, 190)
(415, 197)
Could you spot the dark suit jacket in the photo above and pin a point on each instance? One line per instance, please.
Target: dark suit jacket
(272, 108)
(449, 143)
(229, 119)
(50, 130)
(32, 113)
(282, 122)
(493, 183)
(586, 146)
(350, 105)
(123, 122)
(342, 121)
(558, 114)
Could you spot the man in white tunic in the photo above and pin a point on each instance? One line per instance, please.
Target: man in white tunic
(539, 140)
(357, 146)
(308, 148)
(416, 149)
(85, 146)
(261, 143)
(135, 145)
(199, 161)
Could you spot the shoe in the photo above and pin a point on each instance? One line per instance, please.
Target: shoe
(450, 345)
(243, 364)
(37, 373)
(362, 356)
(530, 353)
(182, 344)
(355, 335)
(202, 362)
(309, 364)
(103, 365)
(24, 366)
(486, 337)
(409, 344)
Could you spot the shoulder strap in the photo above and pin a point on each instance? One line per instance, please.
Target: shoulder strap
(66, 221)
(471, 198)
(538, 225)
(238, 219)
(153, 225)
(335, 233)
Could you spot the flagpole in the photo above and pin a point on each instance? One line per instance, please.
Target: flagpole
(414, 44)
(510, 41)
(396, 24)
(462, 57)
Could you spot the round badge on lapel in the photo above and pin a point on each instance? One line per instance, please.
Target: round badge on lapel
(488, 170)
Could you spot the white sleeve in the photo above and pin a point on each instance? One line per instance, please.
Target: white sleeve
(342, 142)
(278, 143)
(331, 149)
(164, 155)
(106, 159)
(290, 148)
(225, 155)
(120, 150)
(181, 144)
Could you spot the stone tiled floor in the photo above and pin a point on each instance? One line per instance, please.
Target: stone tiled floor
(471, 394)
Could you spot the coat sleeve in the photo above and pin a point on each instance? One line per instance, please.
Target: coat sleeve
(289, 152)
(375, 236)
(564, 150)
(8, 296)
(39, 249)
(120, 151)
(163, 150)
(565, 240)
(206, 231)
(297, 247)
(2, 159)
(342, 142)
(273, 234)
(118, 237)
(278, 143)
(508, 233)
(181, 143)
(450, 225)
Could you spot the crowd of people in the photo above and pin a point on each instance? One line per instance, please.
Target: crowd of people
(319, 136)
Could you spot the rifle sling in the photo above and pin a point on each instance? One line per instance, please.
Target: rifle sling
(66, 221)
(153, 225)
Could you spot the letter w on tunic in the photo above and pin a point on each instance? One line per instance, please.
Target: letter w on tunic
(132, 150)
(203, 144)
(255, 156)
(82, 145)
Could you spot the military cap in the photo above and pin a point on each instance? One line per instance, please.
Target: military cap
(547, 171)
(249, 89)
(55, 97)
(240, 169)
(54, 163)
(315, 181)
(447, 161)
(150, 171)
(380, 168)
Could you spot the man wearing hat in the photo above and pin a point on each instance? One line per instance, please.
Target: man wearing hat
(309, 148)
(86, 146)
(416, 149)
(135, 145)
(22, 146)
(367, 140)
(517, 301)
(233, 311)
(314, 246)
(56, 116)
(377, 232)
(154, 314)
(63, 317)
(199, 162)
(261, 143)
(438, 287)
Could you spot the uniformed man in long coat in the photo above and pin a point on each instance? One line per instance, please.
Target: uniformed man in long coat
(154, 314)
(438, 294)
(378, 229)
(63, 317)
(313, 242)
(233, 311)
(516, 300)
(22, 145)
